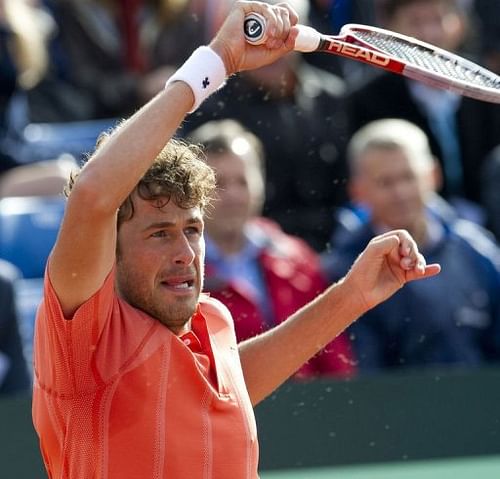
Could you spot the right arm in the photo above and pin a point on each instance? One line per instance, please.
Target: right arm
(85, 249)
(84, 252)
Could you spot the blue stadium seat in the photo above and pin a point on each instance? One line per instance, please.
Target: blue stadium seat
(29, 294)
(44, 141)
(28, 230)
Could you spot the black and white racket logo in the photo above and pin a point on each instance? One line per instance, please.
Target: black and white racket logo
(254, 29)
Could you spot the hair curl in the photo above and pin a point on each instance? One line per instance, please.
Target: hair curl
(179, 173)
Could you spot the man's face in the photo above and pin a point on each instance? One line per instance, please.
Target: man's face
(431, 21)
(239, 189)
(160, 261)
(393, 187)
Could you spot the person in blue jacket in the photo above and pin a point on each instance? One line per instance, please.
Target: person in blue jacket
(451, 319)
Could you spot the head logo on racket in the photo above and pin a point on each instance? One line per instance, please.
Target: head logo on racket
(254, 28)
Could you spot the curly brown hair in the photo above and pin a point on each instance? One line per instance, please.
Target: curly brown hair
(179, 173)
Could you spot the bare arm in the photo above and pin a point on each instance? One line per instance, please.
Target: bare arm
(389, 261)
(85, 249)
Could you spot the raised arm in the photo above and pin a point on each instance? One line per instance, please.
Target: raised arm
(389, 261)
(85, 249)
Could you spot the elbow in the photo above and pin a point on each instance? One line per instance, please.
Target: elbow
(91, 196)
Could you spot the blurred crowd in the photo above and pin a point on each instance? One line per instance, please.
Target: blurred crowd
(314, 155)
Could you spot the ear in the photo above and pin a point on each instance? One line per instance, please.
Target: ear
(436, 176)
(458, 27)
(355, 190)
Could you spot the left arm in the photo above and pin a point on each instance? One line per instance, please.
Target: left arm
(389, 261)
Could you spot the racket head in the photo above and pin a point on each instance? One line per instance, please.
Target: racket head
(424, 62)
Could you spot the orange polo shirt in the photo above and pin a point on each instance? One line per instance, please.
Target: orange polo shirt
(118, 395)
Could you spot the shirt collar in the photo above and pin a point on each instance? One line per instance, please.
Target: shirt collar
(255, 242)
(435, 231)
(435, 102)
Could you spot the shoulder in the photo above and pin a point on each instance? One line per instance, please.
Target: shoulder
(478, 240)
(337, 261)
(278, 243)
(215, 310)
(98, 306)
(220, 322)
(356, 241)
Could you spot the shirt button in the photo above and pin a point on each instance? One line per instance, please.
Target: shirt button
(187, 341)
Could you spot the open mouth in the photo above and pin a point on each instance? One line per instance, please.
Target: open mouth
(184, 285)
(179, 285)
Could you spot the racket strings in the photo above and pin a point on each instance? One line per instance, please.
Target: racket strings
(430, 60)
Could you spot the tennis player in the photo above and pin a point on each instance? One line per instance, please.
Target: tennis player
(137, 373)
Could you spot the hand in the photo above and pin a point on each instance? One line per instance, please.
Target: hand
(237, 54)
(388, 262)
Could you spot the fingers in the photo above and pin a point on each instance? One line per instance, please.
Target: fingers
(385, 244)
(407, 249)
(388, 262)
(286, 17)
(407, 244)
(292, 14)
(411, 258)
(429, 271)
(279, 38)
(402, 248)
(279, 20)
(276, 32)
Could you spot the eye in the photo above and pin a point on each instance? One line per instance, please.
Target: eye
(159, 234)
(409, 177)
(193, 231)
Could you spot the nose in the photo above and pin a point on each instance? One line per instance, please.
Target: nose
(183, 253)
(230, 195)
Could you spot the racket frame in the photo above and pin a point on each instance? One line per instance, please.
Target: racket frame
(349, 45)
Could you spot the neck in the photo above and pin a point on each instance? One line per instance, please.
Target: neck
(229, 242)
(179, 331)
(418, 230)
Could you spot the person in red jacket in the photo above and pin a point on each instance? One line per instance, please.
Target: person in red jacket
(262, 274)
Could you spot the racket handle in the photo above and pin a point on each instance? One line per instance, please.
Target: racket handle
(254, 27)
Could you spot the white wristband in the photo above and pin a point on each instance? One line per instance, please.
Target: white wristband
(203, 71)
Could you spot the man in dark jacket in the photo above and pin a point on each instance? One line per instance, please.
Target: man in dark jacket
(461, 131)
(451, 319)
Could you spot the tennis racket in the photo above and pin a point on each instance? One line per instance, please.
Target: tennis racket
(393, 52)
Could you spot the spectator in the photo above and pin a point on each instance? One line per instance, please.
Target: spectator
(452, 319)
(259, 272)
(14, 375)
(489, 23)
(117, 54)
(328, 16)
(23, 63)
(295, 110)
(490, 191)
(461, 131)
